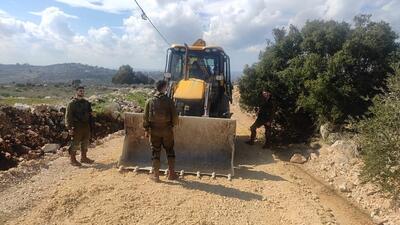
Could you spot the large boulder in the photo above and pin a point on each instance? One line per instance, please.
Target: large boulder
(111, 108)
(50, 148)
(330, 133)
(344, 151)
(298, 158)
(23, 107)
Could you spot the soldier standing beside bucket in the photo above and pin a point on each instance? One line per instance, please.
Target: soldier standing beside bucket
(159, 119)
(77, 120)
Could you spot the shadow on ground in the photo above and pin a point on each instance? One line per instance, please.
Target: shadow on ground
(217, 189)
(248, 172)
(247, 157)
(99, 166)
(251, 154)
(255, 155)
(285, 152)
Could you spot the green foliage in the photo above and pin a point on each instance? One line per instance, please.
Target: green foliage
(29, 101)
(5, 94)
(140, 97)
(326, 72)
(380, 139)
(100, 107)
(126, 75)
(57, 94)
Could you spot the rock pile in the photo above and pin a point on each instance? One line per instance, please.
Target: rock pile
(25, 130)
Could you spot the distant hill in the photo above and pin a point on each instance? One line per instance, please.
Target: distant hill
(66, 72)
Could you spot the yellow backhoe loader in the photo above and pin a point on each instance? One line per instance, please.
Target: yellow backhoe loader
(200, 84)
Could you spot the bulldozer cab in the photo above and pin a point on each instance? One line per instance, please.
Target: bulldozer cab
(205, 67)
(201, 62)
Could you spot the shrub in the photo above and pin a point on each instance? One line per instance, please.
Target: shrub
(380, 139)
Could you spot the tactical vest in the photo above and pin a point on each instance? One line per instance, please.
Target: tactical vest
(81, 111)
(160, 111)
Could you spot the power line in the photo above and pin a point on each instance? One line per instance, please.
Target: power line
(145, 17)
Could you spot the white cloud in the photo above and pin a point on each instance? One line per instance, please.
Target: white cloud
(240, 26)
(390, 13)
(54, 23)
(243, 24)
(110, 6)
(103, 35)
(40, 43)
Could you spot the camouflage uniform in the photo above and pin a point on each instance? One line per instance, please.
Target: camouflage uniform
(264, 118)
(159, 119)
(77, 118)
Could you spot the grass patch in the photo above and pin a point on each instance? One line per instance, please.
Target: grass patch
(99, 107)
(140, 97)
(31, 101)
(52, 90)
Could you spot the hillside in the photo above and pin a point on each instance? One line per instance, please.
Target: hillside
(65, 72)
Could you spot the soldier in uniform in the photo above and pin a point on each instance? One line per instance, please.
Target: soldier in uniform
(77, 120)
(159, 119)
(265, 115)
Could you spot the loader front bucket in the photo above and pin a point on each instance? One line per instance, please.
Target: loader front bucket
(202, 145)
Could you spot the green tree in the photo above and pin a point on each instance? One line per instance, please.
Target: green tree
(124, 75)
(325, 72)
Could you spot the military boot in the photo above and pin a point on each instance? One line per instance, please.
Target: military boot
(171, 169)
(85, 159)
(156, 170)
(73, 160)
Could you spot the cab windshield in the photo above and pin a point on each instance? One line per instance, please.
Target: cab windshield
(201, 65)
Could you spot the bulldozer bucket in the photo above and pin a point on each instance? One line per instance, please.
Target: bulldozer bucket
(202, 145)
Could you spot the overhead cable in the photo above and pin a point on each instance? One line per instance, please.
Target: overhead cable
(145, 17)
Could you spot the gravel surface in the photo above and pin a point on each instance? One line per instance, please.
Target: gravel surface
(264, 191)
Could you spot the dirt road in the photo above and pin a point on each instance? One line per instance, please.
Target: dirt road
(264, 191)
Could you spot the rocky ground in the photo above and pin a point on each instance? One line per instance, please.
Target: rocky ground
(319, 186)
(339, 166)
(265, 190)
(334, 160)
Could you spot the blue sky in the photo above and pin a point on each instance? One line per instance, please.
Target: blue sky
(110, 33)
(88, 18)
